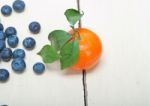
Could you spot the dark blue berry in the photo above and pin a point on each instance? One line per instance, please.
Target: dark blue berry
(29, 43)
(6, 10)
(1, 27)
(12, 41)
(19, 53)
(4, 74)
(18, 5)
(38, 68)
(6, 54)
(2, 45)
(34, 27)
(18, 65)
(2, 35)
(10, 31)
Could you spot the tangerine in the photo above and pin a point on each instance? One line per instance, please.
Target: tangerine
(90, 47)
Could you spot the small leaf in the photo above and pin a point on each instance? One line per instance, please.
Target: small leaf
(69, 54)
(58, 38)
(73, 16)
(49, 54)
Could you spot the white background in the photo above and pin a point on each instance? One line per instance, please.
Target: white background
(122, 78)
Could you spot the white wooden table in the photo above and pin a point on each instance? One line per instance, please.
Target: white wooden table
(122, 77)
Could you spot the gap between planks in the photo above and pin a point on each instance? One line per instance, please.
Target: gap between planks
(85, 91)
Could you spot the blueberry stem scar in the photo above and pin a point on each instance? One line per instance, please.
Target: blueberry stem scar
(85, 91)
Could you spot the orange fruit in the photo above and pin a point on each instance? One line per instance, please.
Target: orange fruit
(90, 50)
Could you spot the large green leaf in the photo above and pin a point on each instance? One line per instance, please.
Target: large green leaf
(48, 54)
(69, 54)
(58, 38)
(73, 16)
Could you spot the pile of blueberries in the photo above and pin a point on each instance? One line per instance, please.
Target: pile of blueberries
(10, 37)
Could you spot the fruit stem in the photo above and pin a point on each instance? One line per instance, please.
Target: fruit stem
(74, 33)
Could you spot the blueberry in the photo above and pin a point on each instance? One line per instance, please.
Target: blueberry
(6, 54)
(6, 10)
(29, 43)
(1, 27)
(38, 68)
(18, 5)
(34, 27)
(18, 65)
(12, 41)
(2, 35)
(4, 74)
(19, 53)
(2, 45)
(10, 31)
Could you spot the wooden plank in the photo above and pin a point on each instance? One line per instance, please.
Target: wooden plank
(53, 88)
(122, 76)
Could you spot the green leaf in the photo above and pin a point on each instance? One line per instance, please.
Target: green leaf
(58, 38)
(49, 54)
(73, 16)
(69, 54)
